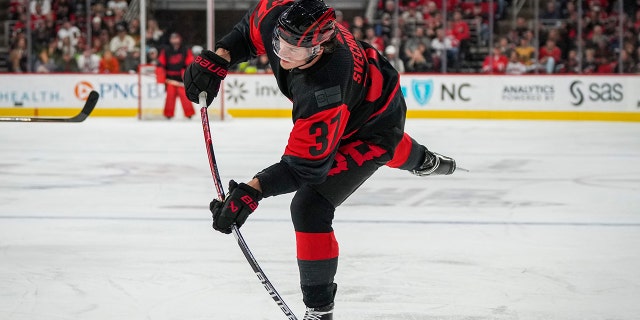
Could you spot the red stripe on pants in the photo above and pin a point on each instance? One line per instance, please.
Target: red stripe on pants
(403, 150)
(316, 246)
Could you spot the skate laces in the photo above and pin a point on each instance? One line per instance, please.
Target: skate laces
(318, 314)
(429, 166)
(309, 316)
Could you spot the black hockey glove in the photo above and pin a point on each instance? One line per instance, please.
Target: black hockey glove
(435, 164)
(205, 74)
(241, 201)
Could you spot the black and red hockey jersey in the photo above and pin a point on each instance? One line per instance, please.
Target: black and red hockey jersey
(350, 93)
(174, 61)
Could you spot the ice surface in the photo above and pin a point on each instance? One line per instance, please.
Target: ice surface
(108, 219)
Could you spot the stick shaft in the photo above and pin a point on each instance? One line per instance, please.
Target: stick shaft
(273, 293)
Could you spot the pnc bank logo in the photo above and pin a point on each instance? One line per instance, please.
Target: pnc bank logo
(82, 90)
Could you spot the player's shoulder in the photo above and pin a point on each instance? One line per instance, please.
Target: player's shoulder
(262, 19)
(269, 4)
(265, 8)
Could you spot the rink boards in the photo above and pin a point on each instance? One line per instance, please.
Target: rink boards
(558, 97)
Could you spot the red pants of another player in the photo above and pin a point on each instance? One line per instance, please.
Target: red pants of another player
(170, 102)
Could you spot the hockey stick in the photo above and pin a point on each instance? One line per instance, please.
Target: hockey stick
(91, 102)
(236, 232)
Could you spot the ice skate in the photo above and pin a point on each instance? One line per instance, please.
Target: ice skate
(321, 313)
(435, 164)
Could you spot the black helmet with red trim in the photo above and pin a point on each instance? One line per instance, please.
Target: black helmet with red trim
(305, 24)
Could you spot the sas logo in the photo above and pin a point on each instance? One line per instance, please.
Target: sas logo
(422, 91)
(82, 90)
(595, 92)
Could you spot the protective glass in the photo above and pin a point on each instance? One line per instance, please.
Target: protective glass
(289, 52)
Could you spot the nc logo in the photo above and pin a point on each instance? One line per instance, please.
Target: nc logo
(422, 90)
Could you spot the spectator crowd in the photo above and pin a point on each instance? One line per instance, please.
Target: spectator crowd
(62, 40)
(564, 48)
(423, 41)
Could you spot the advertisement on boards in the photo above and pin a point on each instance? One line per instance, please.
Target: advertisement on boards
(259, 95)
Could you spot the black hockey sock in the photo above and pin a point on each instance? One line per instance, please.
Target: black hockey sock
(319, 296)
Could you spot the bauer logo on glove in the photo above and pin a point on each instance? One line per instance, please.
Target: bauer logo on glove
(211, 66)
(239, 204)
(205, 74)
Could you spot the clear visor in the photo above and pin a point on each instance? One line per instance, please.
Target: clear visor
(289, 52)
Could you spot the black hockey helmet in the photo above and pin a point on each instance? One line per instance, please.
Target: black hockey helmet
(306, 24)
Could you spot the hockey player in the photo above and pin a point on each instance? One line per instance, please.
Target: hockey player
(348, 115)
(173, 60)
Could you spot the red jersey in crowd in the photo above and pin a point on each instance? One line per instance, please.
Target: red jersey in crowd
(555, 53)
(499, 64)
(460, 30)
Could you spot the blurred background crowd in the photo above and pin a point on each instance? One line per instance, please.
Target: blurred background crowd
(473, 36)
(64, 41)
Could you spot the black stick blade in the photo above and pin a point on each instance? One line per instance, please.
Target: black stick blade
(89, 105)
